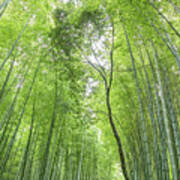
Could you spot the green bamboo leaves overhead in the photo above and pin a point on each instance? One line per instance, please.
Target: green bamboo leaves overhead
(89, 90)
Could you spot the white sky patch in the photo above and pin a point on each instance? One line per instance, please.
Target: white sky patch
(39, 39)
(53, 6)
(160, 9)
(98, 132)
(64, 1)
(173, 68)
(44, 71)
(118, 172)
(99, 53)
(177, 72)
(32, 20)
(91, 83)
(51, 20)
(93, 115)
(18, 137)
(19, 76)
(26, 129)
(16, 63)
(22, 3)
(44, 45)
(19, 85)
(88, 91)
(19, 48)
(25, 8)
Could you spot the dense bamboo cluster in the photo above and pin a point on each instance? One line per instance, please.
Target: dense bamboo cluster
(89, 90)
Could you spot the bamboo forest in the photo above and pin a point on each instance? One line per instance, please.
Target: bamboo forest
(89, 89)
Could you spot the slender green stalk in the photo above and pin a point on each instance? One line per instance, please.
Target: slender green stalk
(7, 78)
(14, 45)
(153, 120)
(25, 157)
(145, 139)
(3, 7)
(166, 121)
(10, 145)
(164, 17)
(50, 134)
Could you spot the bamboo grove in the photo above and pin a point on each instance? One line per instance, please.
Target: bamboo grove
(89, 90)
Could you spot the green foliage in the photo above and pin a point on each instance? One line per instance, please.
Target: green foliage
(55, 58)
